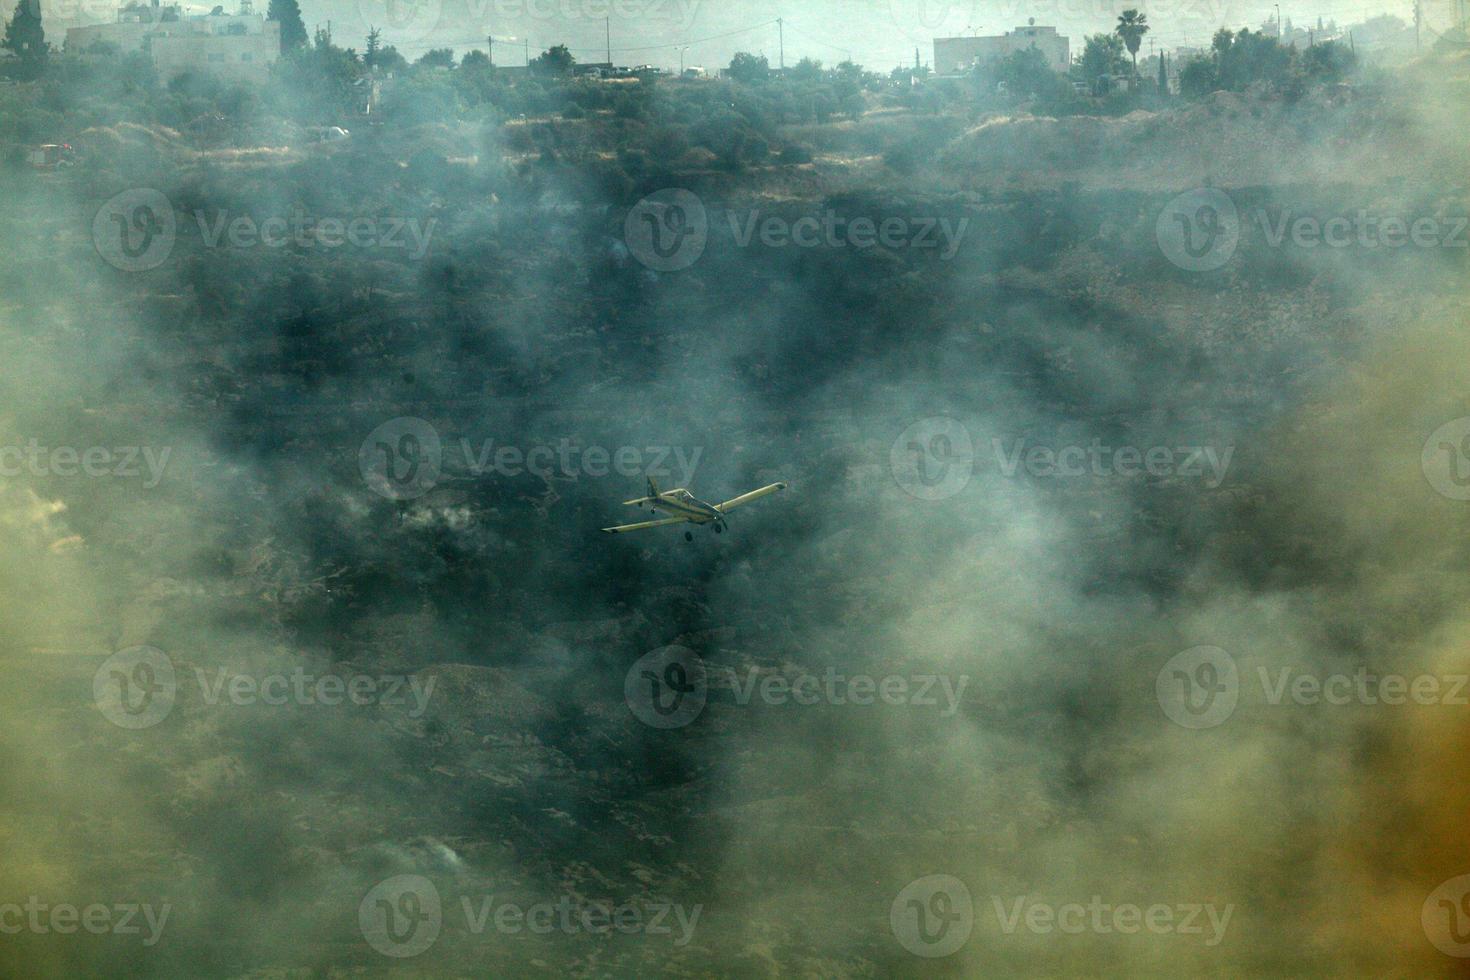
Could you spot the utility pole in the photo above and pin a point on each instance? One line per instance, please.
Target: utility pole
(1418, 17)
(491, 38)
(527, 43)
(1278, 22)
(781, 29)
(607, 28)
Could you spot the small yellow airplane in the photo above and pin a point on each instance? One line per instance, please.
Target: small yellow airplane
(687, 508)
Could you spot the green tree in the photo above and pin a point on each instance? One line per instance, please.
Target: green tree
(374, 44)
(436, 58)
(1024, 72)
(25, 38)
(287, 13)
(1102, 54)
(748, 68)
(1132, 26)
(1197, 78)
(389, 60)
(556, 60)
(807, 70)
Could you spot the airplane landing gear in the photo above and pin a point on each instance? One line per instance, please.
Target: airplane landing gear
(688, 536)
(718, 529)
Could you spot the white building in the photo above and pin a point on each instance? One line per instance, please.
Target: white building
(237, 47)
(956, 55)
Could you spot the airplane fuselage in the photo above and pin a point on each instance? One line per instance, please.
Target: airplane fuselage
(682, 503)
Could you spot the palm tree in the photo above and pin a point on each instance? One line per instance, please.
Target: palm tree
(1132, 26)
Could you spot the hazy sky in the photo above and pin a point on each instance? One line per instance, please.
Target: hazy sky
(877, 33)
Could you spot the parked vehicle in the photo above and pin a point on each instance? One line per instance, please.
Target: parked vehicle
(51, 156)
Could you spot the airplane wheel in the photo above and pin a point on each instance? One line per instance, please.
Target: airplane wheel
(718, 530)
(688, 536)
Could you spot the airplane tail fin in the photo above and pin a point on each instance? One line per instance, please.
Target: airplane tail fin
(652, 487)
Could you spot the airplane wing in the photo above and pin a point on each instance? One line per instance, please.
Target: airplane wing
(746, 498)
(624, 528)
(637, 501)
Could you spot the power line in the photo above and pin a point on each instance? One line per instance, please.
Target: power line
(453, 42)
